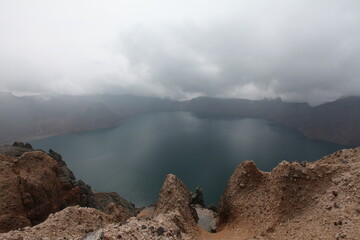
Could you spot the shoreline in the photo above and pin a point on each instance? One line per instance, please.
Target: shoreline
(123, 120)
(38, 137)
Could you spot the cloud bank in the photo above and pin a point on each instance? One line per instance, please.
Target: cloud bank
(297, 50)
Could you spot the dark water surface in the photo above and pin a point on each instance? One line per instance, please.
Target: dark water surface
(134, 158)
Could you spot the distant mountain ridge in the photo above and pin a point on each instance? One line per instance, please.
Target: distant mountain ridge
(24, 118)
(337, 121)
(31, 117)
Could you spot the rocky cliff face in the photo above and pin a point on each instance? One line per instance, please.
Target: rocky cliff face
(173, 218)
(31, 189)
(318, 200)
(34, 184)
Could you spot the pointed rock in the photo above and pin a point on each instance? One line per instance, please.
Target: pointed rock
(175, 200)
(237, 198)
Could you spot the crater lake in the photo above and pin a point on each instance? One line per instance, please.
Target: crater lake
(134, 158)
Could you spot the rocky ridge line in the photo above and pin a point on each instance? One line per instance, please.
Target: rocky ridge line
(318, 200)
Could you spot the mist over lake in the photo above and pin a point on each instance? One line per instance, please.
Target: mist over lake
(134, 158)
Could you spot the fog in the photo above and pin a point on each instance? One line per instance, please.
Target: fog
(306, 51)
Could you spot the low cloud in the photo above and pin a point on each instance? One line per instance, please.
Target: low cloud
(297, 50)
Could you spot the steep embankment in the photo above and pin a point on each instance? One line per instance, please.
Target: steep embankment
(319, 200)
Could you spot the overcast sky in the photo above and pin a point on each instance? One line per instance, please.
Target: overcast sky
(299, 50)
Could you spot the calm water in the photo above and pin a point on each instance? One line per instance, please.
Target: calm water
(134, 158)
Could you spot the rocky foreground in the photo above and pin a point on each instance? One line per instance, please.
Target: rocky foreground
(41, 199)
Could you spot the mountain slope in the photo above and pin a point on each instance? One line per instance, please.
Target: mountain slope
(337, 121)
(32, 117)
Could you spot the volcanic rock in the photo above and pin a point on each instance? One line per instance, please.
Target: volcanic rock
(71, 223)
(172, 218)
(294, 201)
(34, 184)
(31, 189)
(175, 200)
(318, 200)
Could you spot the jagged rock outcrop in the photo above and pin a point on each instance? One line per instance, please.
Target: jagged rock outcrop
(34, 184)
(68, 178)
(175, 200)
(318, 200)
(31, 189)
(172, 218)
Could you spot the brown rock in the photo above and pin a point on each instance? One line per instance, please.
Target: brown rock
(146, 213)
(114, 205)
(293, 200)
(31, 189)
(101, 200)
(175, 199)
(34, 184)
(71, 223)
(118, 213)
(172, 218)
(12, 210)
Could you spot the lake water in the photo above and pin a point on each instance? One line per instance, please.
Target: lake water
(134, 158)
